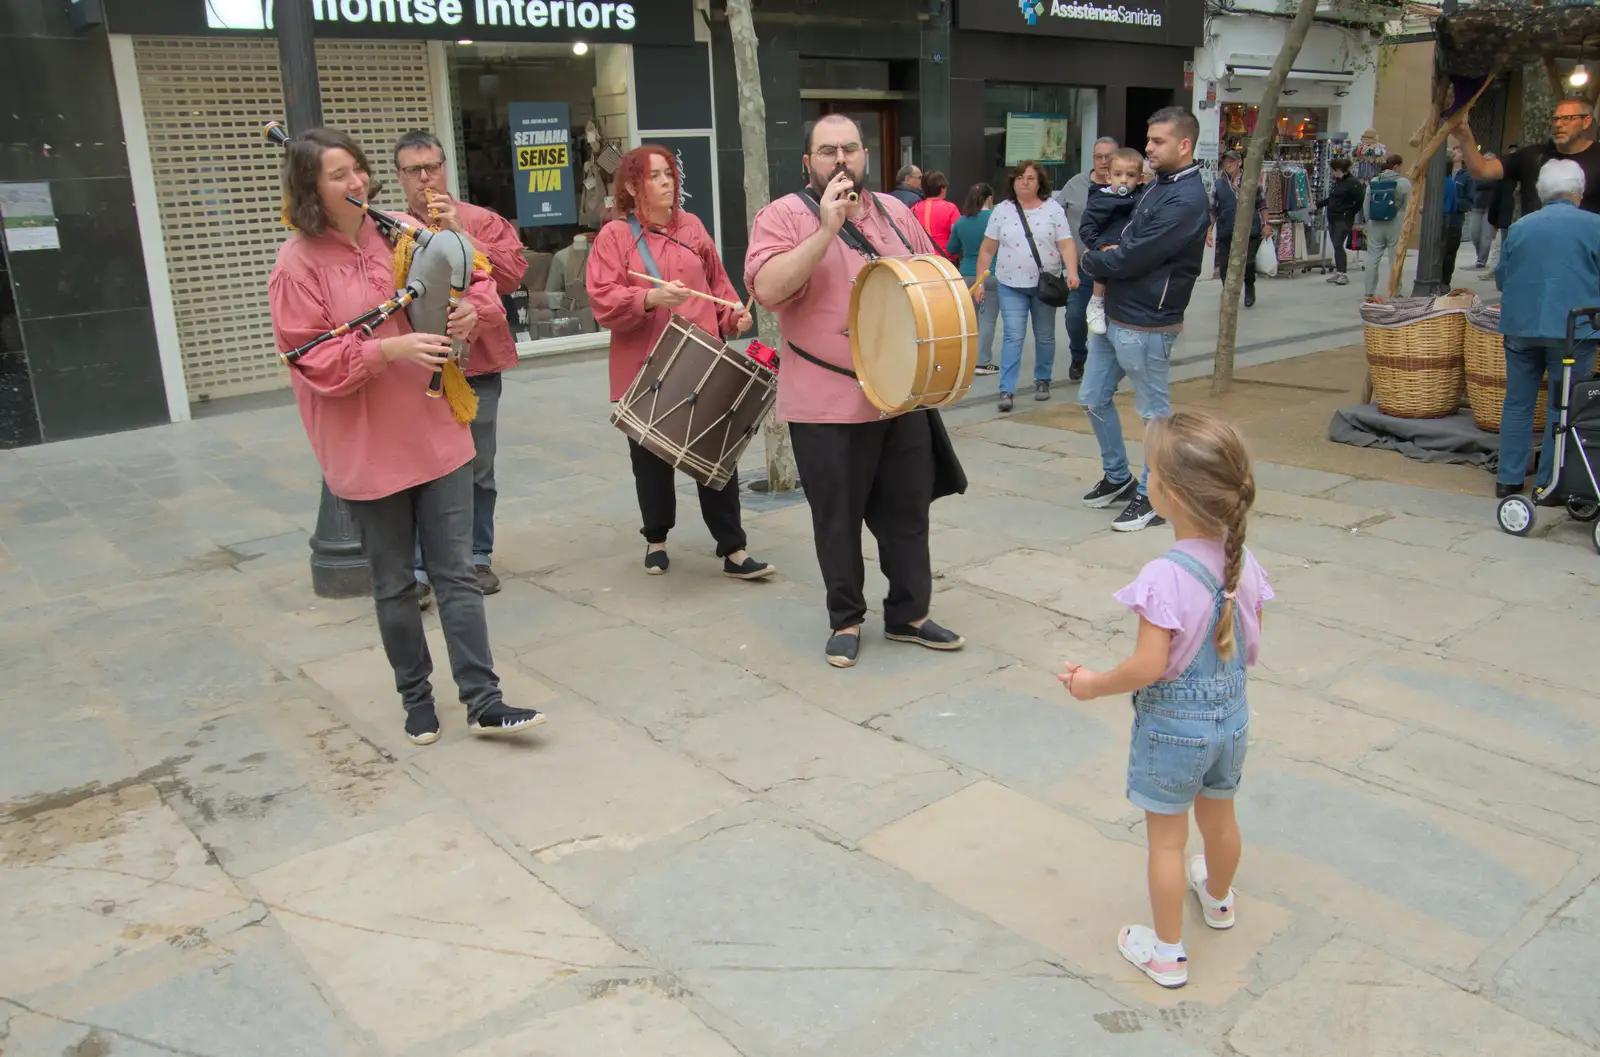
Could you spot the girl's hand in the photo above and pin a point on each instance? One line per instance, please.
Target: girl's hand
(1079, 682)
(427, 350)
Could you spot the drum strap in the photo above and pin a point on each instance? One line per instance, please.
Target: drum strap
(851, 235)
(643, 247)
(824, 364)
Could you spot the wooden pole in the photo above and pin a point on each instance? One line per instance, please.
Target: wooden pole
(1419, 187)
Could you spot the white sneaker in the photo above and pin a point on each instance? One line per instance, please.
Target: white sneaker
(1218, 917)
(1095, 313)
(1138, 944)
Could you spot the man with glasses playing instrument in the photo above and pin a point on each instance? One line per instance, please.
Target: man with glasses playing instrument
(1572, 137)
(857, 465)
(419, 165)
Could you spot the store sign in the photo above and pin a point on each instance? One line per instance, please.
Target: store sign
(1172, 22)
(653, 22)
(541, 146)
(1036, 137)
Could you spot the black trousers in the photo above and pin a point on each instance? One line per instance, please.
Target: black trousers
(1450, 247)
(880, 473)
(655, 481)
(1339, 228)
(1224, 247)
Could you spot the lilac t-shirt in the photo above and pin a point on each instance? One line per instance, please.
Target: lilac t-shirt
(1169, 596)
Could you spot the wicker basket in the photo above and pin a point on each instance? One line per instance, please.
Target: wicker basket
(1485, 355)
(1417, 367)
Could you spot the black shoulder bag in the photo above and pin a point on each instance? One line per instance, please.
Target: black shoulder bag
(949, 478)
(1053, 289)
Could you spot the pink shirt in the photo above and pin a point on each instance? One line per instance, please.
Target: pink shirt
(374, 430)
(494, 349)
(815, 316)
(683, 250)
(937, 216)
(1170, 597)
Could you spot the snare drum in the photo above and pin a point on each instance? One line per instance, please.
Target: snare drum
(696, 403)
(913, 333)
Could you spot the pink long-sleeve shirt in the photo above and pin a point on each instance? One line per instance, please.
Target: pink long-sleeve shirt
(374, 430)
(683, 250)
(494, 350)
(815, 316)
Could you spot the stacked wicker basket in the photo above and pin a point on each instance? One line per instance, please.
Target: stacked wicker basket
(1414, 351)
(1485, 354)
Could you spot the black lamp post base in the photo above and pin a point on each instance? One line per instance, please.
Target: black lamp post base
(338, 564)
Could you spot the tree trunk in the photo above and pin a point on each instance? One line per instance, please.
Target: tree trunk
(1250, 179)
(781, 473)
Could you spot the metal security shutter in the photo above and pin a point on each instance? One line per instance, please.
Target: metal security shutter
(217, 186)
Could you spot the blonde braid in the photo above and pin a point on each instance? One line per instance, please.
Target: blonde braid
(1233, 566)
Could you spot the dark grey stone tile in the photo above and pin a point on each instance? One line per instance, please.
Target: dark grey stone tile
(96, 373)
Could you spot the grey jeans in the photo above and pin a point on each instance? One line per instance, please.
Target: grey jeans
(439, 515)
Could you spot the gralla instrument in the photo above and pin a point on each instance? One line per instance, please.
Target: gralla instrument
(432, 272)
(696, 403)
(913, 333)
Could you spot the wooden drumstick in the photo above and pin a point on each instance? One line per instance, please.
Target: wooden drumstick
(977, 283)
(696, 293)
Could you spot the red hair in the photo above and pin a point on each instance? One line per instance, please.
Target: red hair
(635, 169)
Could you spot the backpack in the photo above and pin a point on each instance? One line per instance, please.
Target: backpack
(1383, 190)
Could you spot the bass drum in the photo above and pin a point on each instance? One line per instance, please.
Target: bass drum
(696, 403)
(913, 333)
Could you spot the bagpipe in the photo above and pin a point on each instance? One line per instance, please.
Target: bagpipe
(432, 270)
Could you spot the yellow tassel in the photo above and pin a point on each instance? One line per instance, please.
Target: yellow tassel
(459, 394)
(404, 247)
(480, 263)
(284, 216)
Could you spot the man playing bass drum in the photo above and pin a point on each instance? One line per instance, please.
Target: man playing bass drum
(856, 464)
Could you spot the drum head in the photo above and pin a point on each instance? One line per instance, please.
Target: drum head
(884, 335)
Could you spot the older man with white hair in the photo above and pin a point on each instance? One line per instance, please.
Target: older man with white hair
(1549, 265)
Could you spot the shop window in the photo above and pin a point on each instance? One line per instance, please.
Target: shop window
(1027, 119)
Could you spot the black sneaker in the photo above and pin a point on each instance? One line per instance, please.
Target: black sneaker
(487, 580)
(422, 725)
(1137, 515)
(1105, 493)
(655, 562)
(843, 648)
(423, 593)
(750, 569)
(1041, 390)
(501, 718)
(1005, 401)
(986, 368)
(1075, 372)
(1250, 299)
(926, 634)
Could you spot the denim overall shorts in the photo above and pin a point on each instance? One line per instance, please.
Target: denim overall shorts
(1190, 734)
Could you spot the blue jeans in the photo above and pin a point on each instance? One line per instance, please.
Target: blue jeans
(1016, 306)
(484, 493)
(988, 316)
(1142, 357)
(1078, 322)
(1527, 360)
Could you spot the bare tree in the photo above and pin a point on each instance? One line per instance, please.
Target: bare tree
(1249, 180)
(781, 473)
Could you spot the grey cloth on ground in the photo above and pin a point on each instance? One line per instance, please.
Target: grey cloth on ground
(1456, 439)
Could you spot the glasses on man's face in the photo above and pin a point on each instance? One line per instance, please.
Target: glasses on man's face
(830, 152)
(433, 168)
(1564, 118)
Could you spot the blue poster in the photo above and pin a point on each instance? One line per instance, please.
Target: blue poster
(543, 164)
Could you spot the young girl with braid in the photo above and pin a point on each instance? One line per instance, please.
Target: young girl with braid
(1199, 608)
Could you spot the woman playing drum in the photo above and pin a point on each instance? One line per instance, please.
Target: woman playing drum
(399, 459)
(652, 235)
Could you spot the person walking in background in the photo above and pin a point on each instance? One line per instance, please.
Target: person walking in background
(1458, 194)
(1384, 205)
(908, 185)
(1073, 198)
(1480, 229)
(936, 213)
(1225, 195)
(1027, 236)
(1549, 265)
(1343, 203)
(1502, 211)
(966, 240)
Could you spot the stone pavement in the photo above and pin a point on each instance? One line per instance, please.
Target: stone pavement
(215, 840)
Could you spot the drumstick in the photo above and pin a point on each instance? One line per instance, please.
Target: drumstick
(696, 293)
(977, 283)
